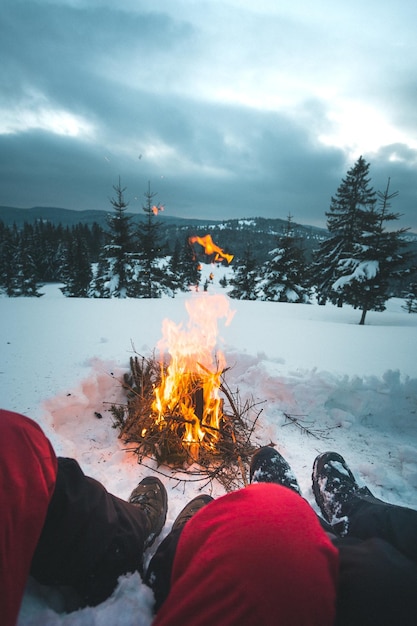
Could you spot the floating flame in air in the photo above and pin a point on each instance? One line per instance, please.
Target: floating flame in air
(191, 382)
(211, 248)
(157, 209)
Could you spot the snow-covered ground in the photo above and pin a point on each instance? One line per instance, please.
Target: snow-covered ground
(354, 387)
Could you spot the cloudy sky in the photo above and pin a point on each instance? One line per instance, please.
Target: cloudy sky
(230, 108)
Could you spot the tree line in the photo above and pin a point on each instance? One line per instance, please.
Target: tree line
(124, 260)
(43, 252)
(361, 262)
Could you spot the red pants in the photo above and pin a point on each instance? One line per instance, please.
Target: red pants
(27, 479)
(255, 557)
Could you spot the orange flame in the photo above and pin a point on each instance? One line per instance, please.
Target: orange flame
(191, 382)
(211, 248)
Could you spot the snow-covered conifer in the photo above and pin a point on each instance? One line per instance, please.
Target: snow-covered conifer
(378, 259)
(245, 277)
(115, 275)
(152, 279)
(77, 269)
(284, 278)
(348, 218)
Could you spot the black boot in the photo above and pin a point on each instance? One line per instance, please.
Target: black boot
(158, 575)
(334, 486)
(268, 466)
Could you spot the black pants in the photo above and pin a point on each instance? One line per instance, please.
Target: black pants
(90, 537)
(378, 565)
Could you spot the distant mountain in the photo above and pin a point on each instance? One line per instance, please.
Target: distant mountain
(231, 235)
(69, 217)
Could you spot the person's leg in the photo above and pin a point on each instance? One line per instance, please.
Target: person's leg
(158, 574)
(355, 512)
(91, 537)
(377, 584)
(243, 559)
(267, 465)
(28, 468)
(397, 525)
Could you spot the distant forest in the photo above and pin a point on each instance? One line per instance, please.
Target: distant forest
(231, 235)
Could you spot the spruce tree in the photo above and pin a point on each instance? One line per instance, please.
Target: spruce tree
(25, 281)
(411, 299)
(152, 274)
(8, 258)
(377, 259)
(115, 273)
(188, 267)
(284, 278)
(77, 269)
(245, 277)
(350, 215)
(173, 281)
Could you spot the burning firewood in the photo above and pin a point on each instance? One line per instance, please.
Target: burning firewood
(179, 409)
(223, 453)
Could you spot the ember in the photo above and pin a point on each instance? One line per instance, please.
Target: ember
(157, 209)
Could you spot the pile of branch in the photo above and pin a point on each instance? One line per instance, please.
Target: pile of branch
(227, 461)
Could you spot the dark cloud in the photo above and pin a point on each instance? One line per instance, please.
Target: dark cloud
(198, 102)
(248, 171)
(60, 49)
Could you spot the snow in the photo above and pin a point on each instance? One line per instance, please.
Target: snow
(362, 271)
(354, 387)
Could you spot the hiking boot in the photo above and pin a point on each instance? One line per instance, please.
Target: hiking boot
(190, 510)
(150, 495)
(334, 485)
(158, 574)
(268, 466)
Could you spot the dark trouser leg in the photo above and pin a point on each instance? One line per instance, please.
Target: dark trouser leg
(377, 584)
(373, 518)
(90, 537)
(378, 564)
(158, 574)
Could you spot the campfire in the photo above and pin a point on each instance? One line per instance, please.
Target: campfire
(179, 409)
(188, 392)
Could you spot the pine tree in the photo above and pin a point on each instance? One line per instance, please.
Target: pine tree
(115, 275)
(284, 278)
(348, 218)
(376, 259)
(25, 279)
(223, 281)
(411, 299)
(244, 280)
(95, 240)
(173, 279)
(77, 270)
(8, 255)
(188, 267)
(152, 280)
